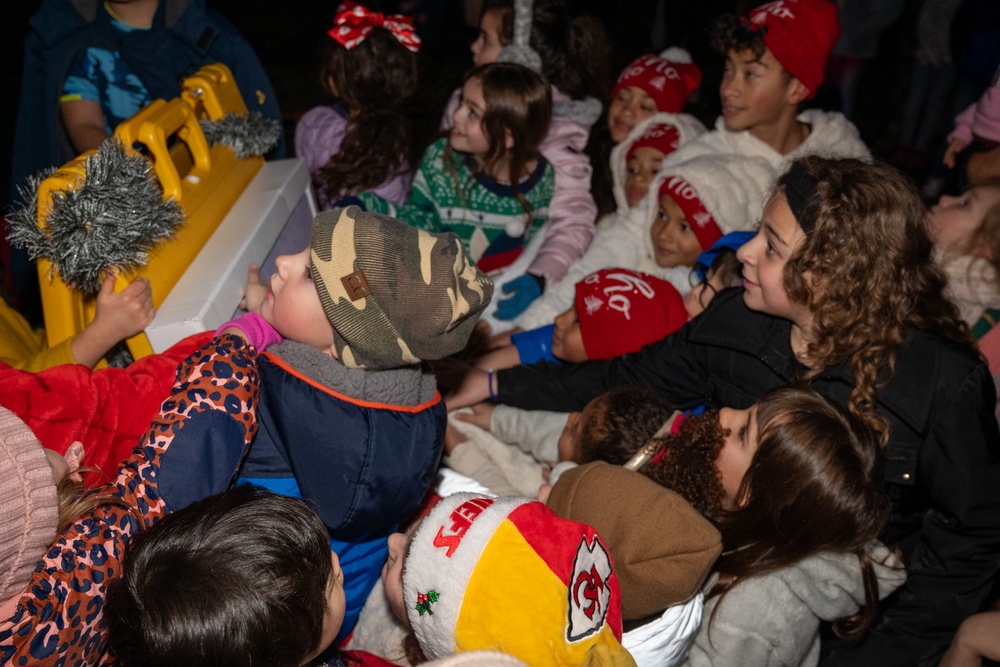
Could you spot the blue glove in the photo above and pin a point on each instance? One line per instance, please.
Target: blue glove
(523, 291)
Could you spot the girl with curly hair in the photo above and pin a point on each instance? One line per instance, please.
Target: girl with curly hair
(840, 291)
(362, 141)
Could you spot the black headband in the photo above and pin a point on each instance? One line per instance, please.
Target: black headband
(800, 191)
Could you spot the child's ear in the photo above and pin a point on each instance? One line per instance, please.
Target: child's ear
(796, 92)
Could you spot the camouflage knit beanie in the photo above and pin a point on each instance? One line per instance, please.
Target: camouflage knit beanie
(395, 294)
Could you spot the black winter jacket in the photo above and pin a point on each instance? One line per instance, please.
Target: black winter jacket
(942, 461)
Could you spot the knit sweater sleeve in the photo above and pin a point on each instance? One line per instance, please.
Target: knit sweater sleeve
(419, 209)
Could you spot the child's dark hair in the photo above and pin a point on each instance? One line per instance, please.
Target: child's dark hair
(373, 80)
(815, 484)
(518, 105)
(732, 33)
(239, 578)
(575, 50)
(727, 268)
(620, 423)
(689, 464)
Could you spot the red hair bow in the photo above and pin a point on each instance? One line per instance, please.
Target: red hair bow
(354, 22)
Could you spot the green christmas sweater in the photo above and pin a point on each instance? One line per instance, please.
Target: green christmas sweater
(484, 213)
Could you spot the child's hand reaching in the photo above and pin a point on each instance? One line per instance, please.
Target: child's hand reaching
(119, 315)
(480, 415)
(255, 291)
(471, 388)
(955, 146)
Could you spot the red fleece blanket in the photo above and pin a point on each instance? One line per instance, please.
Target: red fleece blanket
(108, 410)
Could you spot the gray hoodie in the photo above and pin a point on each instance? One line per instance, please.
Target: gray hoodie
(774, 619)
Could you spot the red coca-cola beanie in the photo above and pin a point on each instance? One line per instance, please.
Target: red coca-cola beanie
(620, 311)
(800, 34)
(669, 83)
(662, 137)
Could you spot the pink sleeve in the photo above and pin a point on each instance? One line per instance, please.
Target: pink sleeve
(572, 210)
(986, 123)
(963, 125)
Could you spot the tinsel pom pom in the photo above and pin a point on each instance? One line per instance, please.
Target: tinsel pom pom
(111, 220)
(247, 134)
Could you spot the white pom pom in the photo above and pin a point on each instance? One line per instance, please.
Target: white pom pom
(515, 228)
(676, 54)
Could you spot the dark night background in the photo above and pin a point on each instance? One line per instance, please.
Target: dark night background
(284, 34)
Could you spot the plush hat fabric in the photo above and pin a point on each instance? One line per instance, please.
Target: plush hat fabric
(718, 193)
(663, 547)
(509, 575)
(620, 311)
(663, 137)
(519, 51)
(669, 83)
(800, 34)
(29, 511)
(395, 294)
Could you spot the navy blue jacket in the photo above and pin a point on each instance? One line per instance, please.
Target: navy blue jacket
(365, 466)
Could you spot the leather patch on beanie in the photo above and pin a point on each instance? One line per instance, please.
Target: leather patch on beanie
(395, 294)
(356, 285)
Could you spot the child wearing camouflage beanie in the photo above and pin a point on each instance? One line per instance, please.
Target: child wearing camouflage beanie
(350, 418)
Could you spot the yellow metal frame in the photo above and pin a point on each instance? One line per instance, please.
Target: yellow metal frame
(205, 181)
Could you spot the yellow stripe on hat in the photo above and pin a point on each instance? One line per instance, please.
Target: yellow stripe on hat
(516, 604)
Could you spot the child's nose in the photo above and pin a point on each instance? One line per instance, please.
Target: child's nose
(667, 233)
(728, 87)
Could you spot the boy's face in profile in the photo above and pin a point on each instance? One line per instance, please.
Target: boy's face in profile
(642, 166)
(757, 93)
(569, 439)
(292, 305)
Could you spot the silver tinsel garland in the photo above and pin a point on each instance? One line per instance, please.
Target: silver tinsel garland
(112, 220)
(247, 134)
